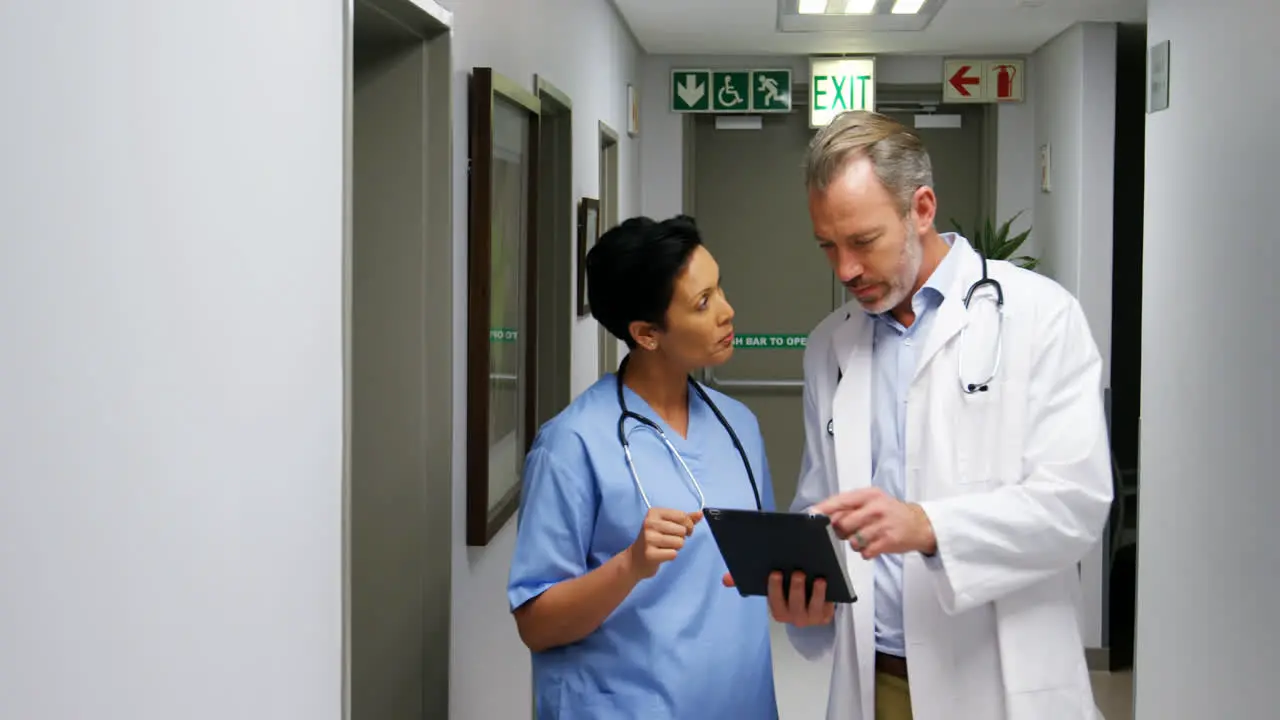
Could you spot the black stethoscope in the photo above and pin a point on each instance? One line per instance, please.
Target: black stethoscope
(651, 425)
(969, 388)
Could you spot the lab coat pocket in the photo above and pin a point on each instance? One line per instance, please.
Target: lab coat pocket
(974, 426)
(987, 436)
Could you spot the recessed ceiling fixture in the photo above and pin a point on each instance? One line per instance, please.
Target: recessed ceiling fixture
(837, 7)
(855, 15)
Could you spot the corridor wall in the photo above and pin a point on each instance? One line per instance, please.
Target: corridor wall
(584, 48)
(171, 380)
(1208, 569)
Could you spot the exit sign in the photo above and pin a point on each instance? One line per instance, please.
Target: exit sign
(731, 90)
(840, 84)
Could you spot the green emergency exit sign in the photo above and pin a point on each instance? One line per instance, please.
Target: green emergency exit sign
(731, 90)
(837, 85)
(771, 341)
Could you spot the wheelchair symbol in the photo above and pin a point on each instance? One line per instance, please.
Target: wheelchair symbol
(728, 95)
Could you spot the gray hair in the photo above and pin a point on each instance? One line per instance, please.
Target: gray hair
(897, 154)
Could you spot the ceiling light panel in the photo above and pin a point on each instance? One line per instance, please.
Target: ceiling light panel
(837, 7)
(856, 15)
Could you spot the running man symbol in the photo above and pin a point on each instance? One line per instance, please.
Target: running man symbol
(769, 87)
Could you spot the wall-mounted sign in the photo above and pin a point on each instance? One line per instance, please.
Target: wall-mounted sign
(731, 91)
(982, 81)
(767, 341)
(840, 84)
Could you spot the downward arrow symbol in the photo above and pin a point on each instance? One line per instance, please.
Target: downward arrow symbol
(690, 91)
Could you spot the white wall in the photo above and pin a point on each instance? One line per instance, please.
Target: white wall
(584, 49)
(1017, 171)
(1208, 567)
(662, 178)
(1074, 79)
(171, 360)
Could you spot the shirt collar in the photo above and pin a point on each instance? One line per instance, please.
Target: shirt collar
(942, 275)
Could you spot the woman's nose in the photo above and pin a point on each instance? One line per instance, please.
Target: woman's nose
(727, 314)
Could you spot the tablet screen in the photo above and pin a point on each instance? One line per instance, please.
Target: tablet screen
(755, 544)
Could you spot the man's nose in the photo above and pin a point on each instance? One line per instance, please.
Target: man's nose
(847, 266)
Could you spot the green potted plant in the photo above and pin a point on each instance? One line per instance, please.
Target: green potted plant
(995, 244)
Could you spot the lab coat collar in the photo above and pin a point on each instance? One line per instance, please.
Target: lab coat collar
(966, 269)
(852, 341)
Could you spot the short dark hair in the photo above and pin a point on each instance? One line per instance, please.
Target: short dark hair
(632, 271)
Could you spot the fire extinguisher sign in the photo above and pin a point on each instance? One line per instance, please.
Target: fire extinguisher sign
(983, 80)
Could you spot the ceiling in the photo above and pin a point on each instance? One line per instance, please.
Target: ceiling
(749, 27)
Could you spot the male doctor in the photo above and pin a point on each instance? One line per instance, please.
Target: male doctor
(965, 459)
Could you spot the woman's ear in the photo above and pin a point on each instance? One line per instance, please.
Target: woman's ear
(645, 334)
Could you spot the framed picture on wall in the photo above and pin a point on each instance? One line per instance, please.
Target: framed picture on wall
(633, 111)
(501, 307)
(588, 233)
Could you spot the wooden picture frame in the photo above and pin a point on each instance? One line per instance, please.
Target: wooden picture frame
(502, 212)
(588, 234)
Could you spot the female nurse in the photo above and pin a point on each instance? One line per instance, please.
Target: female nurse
(616, 583)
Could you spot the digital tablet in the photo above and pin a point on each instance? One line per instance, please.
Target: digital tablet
(755, 544)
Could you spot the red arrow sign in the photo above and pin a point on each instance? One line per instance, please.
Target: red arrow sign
(961, 80)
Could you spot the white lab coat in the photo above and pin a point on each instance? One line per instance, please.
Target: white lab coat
(1016, 482)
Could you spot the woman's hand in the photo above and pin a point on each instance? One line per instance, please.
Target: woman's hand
(661, 536)
(791, 608)
(573, 609)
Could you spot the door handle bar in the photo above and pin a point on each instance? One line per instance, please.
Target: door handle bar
(754, 384)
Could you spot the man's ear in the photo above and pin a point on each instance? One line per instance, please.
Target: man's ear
(646, 334)
(925, 204)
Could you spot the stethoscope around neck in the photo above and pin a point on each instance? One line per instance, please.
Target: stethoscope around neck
(644, 422)
(985, 281)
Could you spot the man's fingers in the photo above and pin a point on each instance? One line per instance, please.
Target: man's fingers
(845, 501)
(727, 580)
(696, 517)
(856, 521)
(668, 541)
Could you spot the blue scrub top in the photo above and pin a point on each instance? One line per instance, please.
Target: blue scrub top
(681, 645)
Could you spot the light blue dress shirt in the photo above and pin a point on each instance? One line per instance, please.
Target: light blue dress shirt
(893, 363)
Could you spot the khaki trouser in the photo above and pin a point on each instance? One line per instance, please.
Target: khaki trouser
(893, 699)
